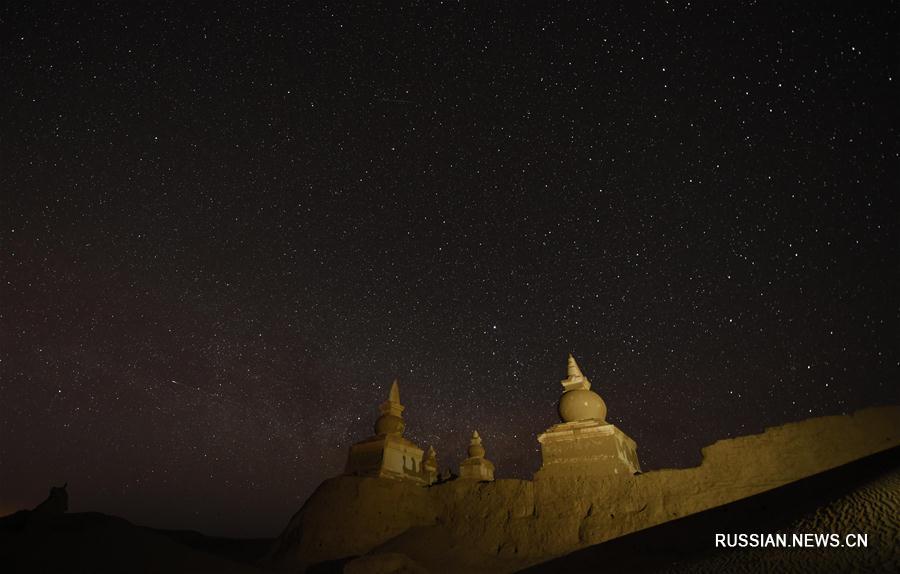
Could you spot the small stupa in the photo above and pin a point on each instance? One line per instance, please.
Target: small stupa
(388, 454)
(476, 466)
(584, 443)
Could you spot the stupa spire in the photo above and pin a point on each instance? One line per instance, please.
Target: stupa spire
(391, 419)
(575, 379)
(574, 369)
(394, 395)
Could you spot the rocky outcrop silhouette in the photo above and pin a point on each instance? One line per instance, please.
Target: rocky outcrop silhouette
(56, 503)
(50, 540)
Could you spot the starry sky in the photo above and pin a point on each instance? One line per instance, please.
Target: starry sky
(226, 230)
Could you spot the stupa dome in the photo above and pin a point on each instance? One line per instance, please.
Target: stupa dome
(389, 424)
(579, 402)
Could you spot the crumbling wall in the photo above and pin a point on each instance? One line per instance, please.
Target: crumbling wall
(505, 525)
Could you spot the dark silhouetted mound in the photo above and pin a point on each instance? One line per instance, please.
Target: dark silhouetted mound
(97, 543)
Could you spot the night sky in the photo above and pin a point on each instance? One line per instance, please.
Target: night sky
(225, 231)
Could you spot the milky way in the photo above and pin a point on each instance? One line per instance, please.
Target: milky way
(225, 231)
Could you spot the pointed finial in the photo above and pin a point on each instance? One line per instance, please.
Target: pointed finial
(575, 379)
(574, 370)
(475, 448)
(394, 396)
(391, 421)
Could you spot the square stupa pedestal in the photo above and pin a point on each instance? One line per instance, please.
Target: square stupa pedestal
(387, 456)
(587, 448)
(476, 469)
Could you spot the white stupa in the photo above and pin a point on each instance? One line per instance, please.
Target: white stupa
(584, 443)
(476, 466)
(387, 454)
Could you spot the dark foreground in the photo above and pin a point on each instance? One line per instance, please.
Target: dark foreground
(90, 542)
